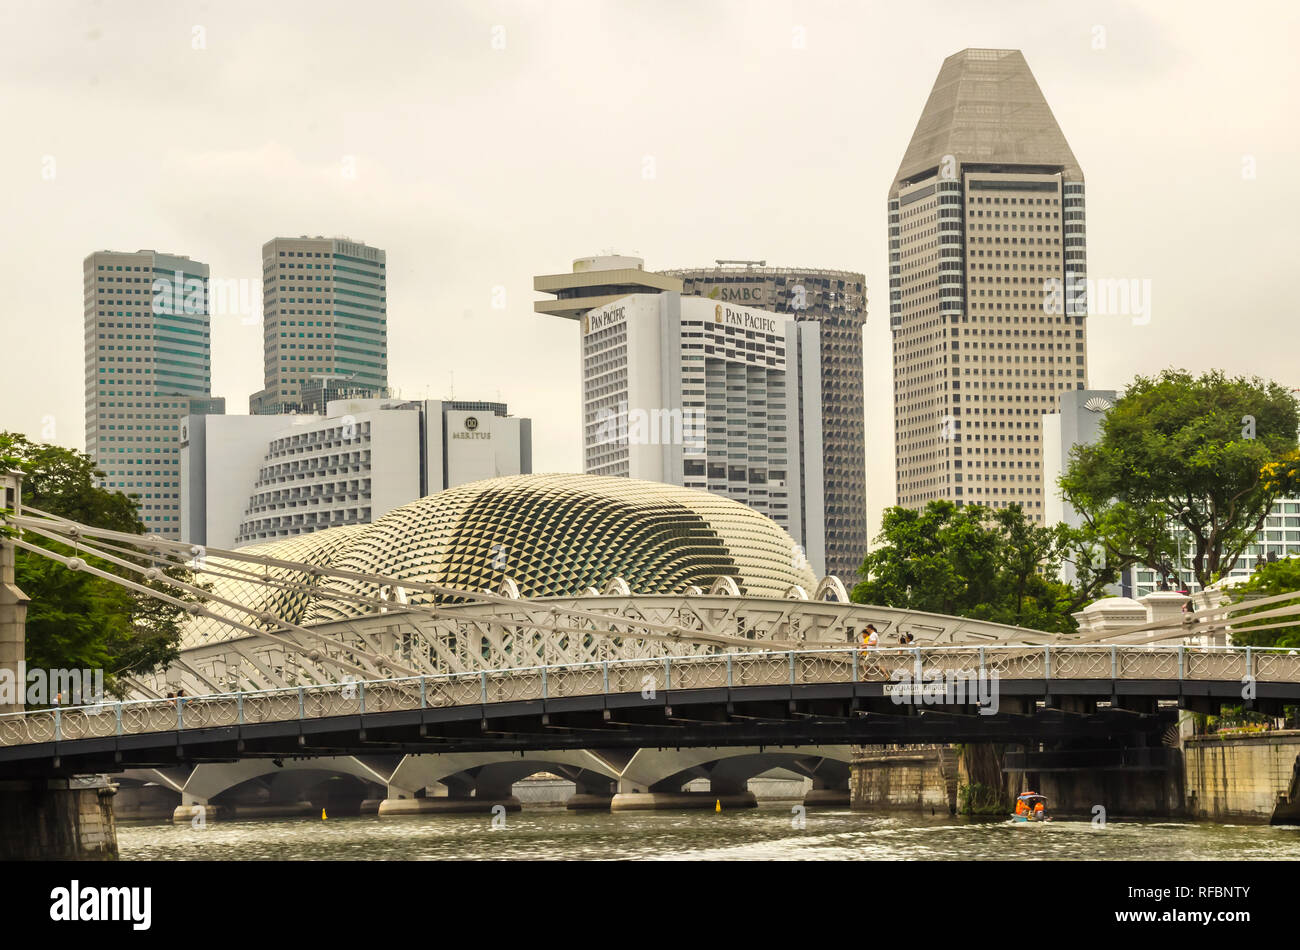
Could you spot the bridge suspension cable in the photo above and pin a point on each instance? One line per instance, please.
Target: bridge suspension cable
(181, 554)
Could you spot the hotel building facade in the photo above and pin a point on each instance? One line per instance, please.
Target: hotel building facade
(712, 396)
(837, 302)
(248, 479)
(826, 456)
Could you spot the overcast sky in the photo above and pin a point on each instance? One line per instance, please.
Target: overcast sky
(482, 143)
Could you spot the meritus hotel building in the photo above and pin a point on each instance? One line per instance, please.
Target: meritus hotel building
(986, 235)
(325, 323)
(148, 365)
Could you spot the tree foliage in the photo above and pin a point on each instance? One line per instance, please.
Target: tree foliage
(981, 563)
(1278, 577)
(76, 620)
(1208, 454)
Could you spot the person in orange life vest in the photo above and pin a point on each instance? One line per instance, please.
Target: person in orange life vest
(1021, 808)
(1039, 812)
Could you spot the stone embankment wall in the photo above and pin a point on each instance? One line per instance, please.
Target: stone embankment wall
(1241, 778)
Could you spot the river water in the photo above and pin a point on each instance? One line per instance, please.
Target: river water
(770, 832)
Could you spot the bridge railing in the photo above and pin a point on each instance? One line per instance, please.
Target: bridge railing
(649, 677)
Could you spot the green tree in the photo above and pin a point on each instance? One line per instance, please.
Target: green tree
(981, 563)
(1206, 454)
(77, 620)
(1278, 577)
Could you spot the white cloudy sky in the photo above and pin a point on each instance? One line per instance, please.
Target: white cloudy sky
(479, 167)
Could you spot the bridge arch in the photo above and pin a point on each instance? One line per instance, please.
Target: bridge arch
(491, 774)
(209, 780)
(666, 770)
(831, 589)
(724, 586)
(617, 587)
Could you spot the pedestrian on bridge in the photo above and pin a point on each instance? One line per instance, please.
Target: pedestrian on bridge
(871, 642)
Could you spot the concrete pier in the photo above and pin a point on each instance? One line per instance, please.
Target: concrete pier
(243, 812)
(827, 798)
(670, 801)
(910, 778)
(391, 807)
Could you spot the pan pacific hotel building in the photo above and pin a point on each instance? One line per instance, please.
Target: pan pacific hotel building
(709, 395)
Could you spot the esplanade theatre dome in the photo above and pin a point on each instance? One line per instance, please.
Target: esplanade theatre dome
(556, 535)
(552, 535)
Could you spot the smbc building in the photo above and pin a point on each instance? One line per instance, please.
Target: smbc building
(836, 302)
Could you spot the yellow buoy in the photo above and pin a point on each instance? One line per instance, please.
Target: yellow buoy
(718, 805)
(322, 815)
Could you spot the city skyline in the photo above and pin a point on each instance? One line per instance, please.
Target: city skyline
(1170, 104)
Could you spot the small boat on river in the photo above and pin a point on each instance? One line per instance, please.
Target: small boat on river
(1030, 807)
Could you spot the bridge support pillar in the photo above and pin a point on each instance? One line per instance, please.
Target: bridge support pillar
(197, 811)
(13, 602)
(837, 797)
(441, 805)
(57, 819)
(634, 797)
(457, 801)
(591, 796)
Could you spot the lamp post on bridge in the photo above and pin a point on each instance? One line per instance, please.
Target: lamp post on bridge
(13, 602)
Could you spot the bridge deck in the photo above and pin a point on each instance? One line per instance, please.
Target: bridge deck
(622, 690)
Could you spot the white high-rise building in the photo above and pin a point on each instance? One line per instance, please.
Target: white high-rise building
(707, 395)
(255, 478)
(148, 364)
(986, 213)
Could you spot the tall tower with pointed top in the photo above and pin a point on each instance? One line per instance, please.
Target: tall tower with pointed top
(986, 255)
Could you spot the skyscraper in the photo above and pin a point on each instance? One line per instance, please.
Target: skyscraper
(986, 243)
(148, 365)
(836, 301)
(325, 323)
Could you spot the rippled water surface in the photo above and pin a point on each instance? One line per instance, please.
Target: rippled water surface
(764, 833)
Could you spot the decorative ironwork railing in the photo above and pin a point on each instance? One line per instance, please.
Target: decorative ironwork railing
(649, 676)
